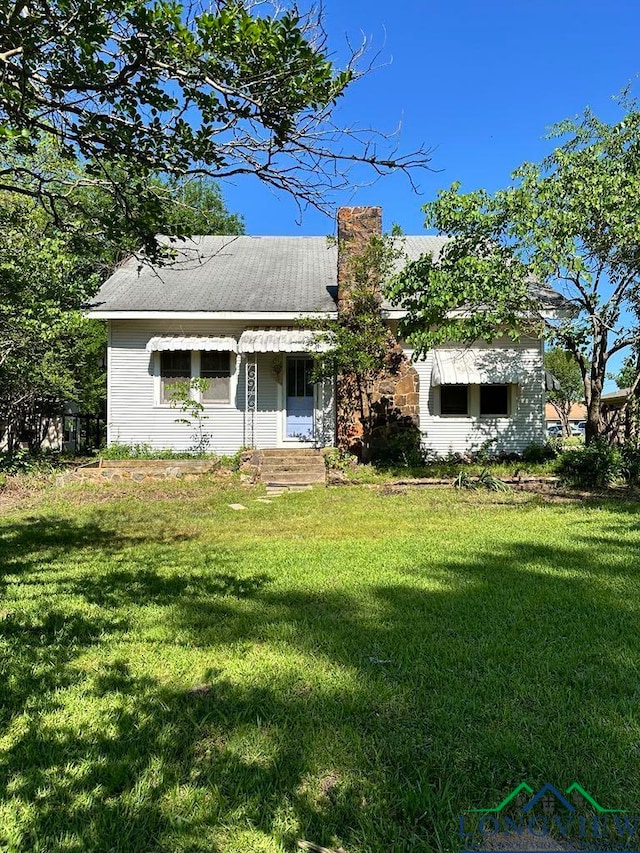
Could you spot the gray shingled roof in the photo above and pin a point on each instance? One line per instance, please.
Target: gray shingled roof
(252, 274)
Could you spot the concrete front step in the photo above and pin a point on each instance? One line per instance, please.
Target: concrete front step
(293, 465)
(296, 479)
(291, 452)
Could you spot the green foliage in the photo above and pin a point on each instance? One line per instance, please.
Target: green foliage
(337, 459)
(465, 481)
(566, 371)
(398, 446)
(629, 371)
(540, 453)
(50, 354)
(595, 466)
(186, 397)
(115, 450)
(572, 221)
(630, 454)
(132, 90)
(484, 480)
(196, 206)
(23, 462)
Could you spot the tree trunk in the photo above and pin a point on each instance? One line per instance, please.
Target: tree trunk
(594, 424)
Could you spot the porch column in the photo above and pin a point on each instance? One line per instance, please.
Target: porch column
(251, 397)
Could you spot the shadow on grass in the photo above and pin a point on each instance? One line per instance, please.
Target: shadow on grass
(372, 719)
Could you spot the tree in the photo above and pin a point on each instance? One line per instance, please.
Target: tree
(629, 370)
(565, 370)
(42, 284)
(572, 221)
(197, 207)
(128, 89)
(50, 354)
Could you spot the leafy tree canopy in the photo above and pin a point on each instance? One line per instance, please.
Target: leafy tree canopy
(50, 354)
(566, 371)
(129, 89)
(572, 221)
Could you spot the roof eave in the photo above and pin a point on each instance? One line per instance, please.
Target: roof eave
(241, 316)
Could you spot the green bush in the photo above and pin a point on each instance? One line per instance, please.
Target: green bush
(339, 460)
(143, 451)
(630, 453)
(24, 462)
(596, 466)
(539, 453)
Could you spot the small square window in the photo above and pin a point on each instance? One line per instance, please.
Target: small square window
(494, 400)
(175, 367)
(215, 367)
(454, 399)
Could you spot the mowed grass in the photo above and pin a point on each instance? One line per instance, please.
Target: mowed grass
(346, 666)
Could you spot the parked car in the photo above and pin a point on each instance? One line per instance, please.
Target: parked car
(575, 430)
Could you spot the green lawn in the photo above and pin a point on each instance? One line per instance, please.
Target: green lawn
(345, 666)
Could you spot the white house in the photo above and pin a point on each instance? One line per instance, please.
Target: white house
(226, 310)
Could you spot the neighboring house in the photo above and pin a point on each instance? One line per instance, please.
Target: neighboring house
(577, 414)
(619, 413)
(226, 310)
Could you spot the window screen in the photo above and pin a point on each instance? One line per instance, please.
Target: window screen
(215, 367)
(175, 366)
(454, 399)
(494, 399)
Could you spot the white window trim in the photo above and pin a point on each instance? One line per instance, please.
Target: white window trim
(195, 374)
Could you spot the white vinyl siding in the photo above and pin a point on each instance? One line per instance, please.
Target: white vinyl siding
(136, 415)
(463, 433)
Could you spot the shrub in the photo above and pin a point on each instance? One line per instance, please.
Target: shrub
(537, 453)
(395, 444)
(143, 451)
(485, 480)
(24, 462)
(630, 453)
(594, 467)
(339, 460)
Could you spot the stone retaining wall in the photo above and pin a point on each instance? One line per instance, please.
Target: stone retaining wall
(114, 470)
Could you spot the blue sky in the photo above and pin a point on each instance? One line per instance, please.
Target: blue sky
(479, 82)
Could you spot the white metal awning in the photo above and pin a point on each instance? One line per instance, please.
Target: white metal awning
(281, 340)
(477, 367)
(193, 342)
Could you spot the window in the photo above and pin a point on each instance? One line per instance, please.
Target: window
(180, 366)
(215, 367)
(454, 399)
(299, 377)
(494, 400)
(175, 366)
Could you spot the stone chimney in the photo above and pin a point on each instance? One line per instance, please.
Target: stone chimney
(395, 393)
(356, 225)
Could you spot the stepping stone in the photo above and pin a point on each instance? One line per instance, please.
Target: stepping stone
(275, 492)
(236, 506)
(263, 501)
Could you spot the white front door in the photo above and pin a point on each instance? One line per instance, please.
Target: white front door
(299, 399)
